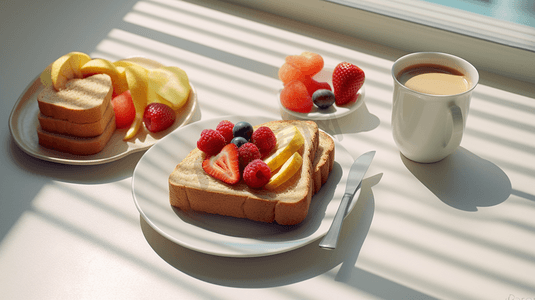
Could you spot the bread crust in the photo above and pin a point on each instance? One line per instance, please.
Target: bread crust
(76, 129)
(323, 161)
(82, 101)
(76, 145)
(191, 188)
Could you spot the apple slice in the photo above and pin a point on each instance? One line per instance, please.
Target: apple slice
(66, 68)
(168, 85)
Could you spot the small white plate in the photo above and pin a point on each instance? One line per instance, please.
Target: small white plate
(333, 112)
(23, 125)
(220, 235)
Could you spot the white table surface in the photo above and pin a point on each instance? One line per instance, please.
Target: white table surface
(463, 228)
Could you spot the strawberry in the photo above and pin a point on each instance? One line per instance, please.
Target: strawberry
(158, 117)
(224, 166)
(347, 80)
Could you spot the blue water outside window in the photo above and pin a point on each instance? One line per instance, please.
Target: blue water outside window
(516, 11)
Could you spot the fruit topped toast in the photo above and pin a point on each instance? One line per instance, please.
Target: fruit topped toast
(207, 182)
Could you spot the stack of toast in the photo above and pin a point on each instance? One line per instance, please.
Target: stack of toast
(191, 188)
(78, 119)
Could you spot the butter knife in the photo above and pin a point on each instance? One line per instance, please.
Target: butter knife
(354, 179)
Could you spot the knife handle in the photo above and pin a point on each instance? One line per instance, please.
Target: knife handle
(331, 238)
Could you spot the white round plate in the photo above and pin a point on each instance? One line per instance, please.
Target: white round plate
(220, 235)
(333, 112)
(23, 124)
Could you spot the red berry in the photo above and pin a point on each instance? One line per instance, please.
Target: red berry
(225, 165)
(158, 117)
(124, 109)
(256, 174)
(294, 96)
(211, 142)
(347, 80)
(264, 138)
(312, 85)
(225, 128)
(247, 153)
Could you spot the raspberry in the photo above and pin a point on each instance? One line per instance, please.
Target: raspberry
(225, 128)
(158, 117)
(256, 174)
(247, 153)
(211, 142)
(264, 138)
(294, 96)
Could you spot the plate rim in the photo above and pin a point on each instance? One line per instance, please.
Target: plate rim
(296, 244)
(37, 85)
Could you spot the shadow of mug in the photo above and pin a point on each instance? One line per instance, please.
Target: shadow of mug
(463, 180)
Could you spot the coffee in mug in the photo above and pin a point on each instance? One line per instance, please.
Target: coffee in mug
(434, 79)
(431, 101)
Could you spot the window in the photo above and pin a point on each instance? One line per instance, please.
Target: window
(492, 45)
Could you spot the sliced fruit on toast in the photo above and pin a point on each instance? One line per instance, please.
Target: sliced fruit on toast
(190, 187)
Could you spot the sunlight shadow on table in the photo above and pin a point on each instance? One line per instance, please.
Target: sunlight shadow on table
(361, 120)
(463, 180)
(280, 269)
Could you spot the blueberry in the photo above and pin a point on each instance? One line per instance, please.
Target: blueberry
(323, 98)
(238, 141)
(243, 129)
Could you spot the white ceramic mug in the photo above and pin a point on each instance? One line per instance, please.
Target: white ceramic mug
(426, 127)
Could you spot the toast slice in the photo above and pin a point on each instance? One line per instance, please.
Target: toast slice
(82, 101)
(76, 145)
(76, 129)
(323, 161)
(190, 188)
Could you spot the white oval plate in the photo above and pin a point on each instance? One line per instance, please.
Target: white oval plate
(220, 235)
(333, 112)
(23, 124)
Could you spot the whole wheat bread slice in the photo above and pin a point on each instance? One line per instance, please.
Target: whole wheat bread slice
(191, 188)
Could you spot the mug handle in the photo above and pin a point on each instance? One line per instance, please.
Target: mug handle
(458, 127)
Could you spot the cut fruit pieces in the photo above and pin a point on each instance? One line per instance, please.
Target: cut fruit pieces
(103, 66)
(67, 67)
(168, 85)
(136, 77)
(289, 141)
(287, 171)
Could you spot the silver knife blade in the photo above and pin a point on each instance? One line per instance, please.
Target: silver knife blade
(357, 171)
(356, 174)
